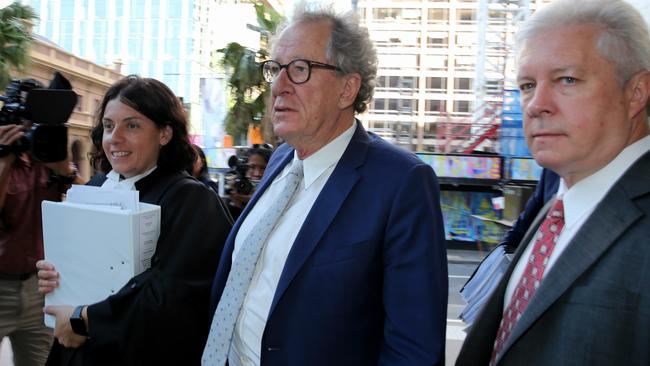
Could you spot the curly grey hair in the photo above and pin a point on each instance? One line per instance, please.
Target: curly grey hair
(624, 39)
(349, 47)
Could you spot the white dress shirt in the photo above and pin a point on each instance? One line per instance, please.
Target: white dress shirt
(113, 180)
(579, 203)
(317, 168)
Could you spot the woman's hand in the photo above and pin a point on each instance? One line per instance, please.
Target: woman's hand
(63, 330)
(48, 277)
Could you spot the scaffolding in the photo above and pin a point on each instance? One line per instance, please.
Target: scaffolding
(495, 72)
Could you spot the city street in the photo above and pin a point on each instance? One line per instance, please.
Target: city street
(461, 266)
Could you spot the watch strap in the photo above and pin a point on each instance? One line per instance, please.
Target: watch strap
(77, 322)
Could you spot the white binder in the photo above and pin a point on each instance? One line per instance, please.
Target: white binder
(96, 249)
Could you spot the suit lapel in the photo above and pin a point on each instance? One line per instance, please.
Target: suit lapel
(611, 217)
(324, 210)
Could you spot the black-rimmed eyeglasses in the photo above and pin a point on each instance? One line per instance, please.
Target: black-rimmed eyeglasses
(299, 70)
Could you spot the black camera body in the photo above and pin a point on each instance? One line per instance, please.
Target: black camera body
(47, 109)
(236, 178)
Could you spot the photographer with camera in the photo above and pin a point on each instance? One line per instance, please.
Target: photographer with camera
(24, 183)
(33, 167)
(247, 175)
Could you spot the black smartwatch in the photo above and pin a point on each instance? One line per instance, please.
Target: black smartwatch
(77, 322)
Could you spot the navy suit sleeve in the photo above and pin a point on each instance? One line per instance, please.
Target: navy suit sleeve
(544, 191)
(415, 274)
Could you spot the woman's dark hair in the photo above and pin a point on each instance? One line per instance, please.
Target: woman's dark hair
(261, 151)
(156, 101)
(204, 162)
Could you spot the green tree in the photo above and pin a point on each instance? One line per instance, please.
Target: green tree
(248, 90)
(15, 39)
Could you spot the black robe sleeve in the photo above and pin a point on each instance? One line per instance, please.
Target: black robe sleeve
(161, 316)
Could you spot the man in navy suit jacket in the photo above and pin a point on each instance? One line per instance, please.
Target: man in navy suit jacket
(355, 272)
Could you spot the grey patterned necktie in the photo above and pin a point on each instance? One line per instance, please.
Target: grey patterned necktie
(241, 272)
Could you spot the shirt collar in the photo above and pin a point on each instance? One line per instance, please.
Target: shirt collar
(583, 196)
(126, 183)
(316, 164)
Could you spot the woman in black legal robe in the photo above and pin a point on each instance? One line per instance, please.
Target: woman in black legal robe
(160, 317)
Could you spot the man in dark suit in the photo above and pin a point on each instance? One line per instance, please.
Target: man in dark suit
(578, 290)
(354, 272)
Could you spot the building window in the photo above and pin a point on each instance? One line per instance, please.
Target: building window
(408, 82)
(466, 16)
(386, 14)
(381, 82)
(393, 104)
(393, 82)
(379, 104)
(100, 9)
(407, 105)
(407, 15)
(437, 40)
(430, 130)
(465, 63)
(462, 106)
(80, 106)
(396, 106)
(437, 84)
(438, 15)
(496, 17)
(494, 84)
(463, 84)
(435, 106)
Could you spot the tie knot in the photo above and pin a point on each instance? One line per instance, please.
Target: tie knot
(557, 210)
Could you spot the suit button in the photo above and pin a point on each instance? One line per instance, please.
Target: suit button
(133, 285)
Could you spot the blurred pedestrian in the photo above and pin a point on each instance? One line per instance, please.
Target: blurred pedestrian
(258, 158)
(24, 184)
(199, 170)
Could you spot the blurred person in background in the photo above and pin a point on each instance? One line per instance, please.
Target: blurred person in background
(160, 316)
(26, 181)
(199, 170)
(258, 158)
(24, 184)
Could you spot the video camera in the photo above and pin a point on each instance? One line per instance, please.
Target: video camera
(47, 109)
(236, 178)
